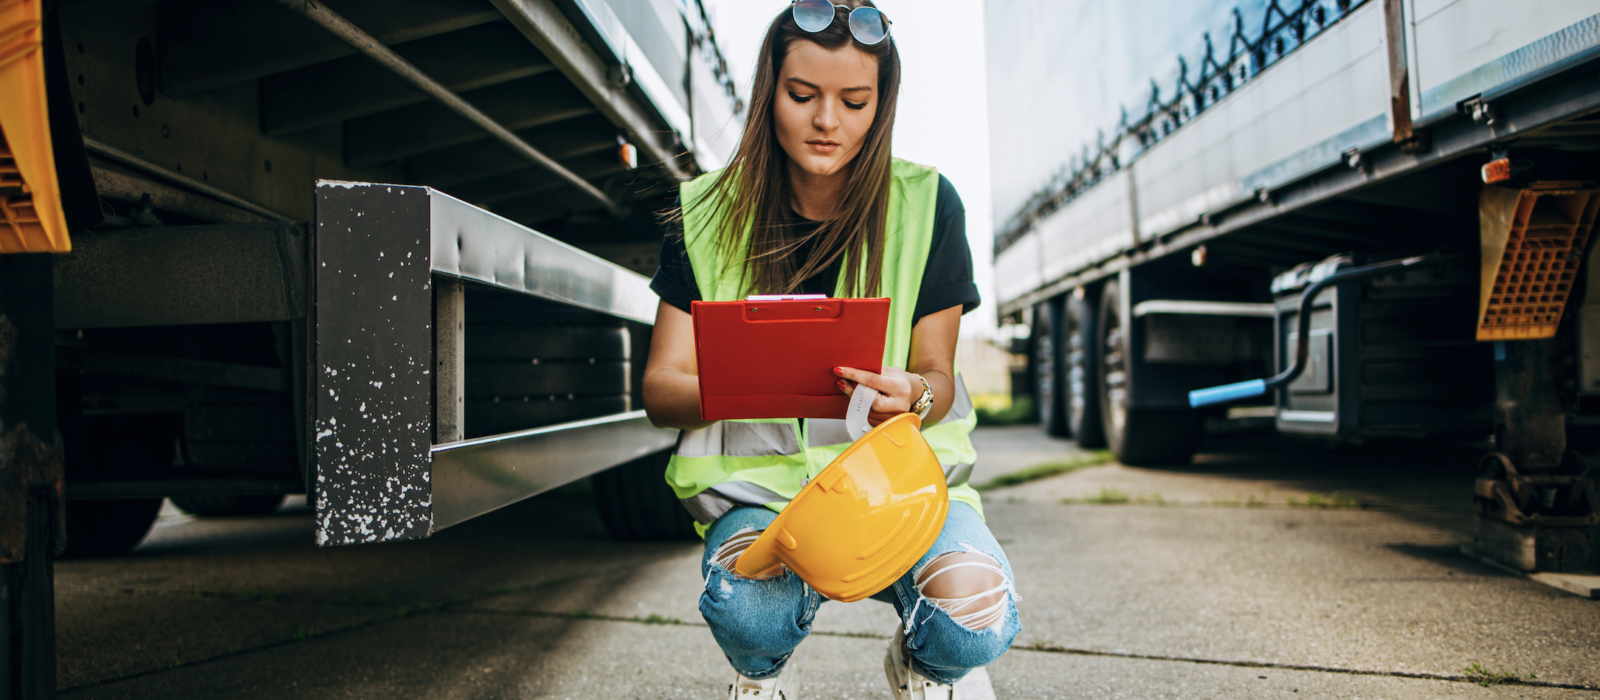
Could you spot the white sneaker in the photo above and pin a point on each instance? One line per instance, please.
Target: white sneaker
(906, 683)
(774, 688)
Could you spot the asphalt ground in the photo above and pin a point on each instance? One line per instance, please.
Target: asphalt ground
(1268, 568)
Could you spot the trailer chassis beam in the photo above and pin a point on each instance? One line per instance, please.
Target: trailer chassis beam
(386, 57)
(391, 265)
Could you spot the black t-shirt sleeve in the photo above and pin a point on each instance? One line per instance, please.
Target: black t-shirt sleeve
(674, 281)
(947, 279)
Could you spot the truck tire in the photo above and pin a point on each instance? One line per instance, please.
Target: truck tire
(109, 528)
(1137, 436)
(1048, 378)
(226, 506)
(637, 505)
(1081, 403)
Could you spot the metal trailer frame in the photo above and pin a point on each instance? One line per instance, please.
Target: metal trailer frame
(386, 342)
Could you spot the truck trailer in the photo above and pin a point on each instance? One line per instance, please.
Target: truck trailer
(1363, 219)
(391, 255)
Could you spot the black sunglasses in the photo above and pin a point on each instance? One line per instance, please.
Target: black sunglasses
(867, 24)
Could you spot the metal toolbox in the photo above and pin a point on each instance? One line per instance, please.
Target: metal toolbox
(1394, 355)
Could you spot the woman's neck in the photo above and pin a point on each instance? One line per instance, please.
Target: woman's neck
(816, 197)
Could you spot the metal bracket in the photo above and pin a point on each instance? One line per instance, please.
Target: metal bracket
(1554, 500)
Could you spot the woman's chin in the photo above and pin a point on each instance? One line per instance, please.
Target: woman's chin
(818, 166)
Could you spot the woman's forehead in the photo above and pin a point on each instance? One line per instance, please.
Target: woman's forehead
(830, 69)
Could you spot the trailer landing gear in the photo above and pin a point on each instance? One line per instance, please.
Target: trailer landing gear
(1537, 508)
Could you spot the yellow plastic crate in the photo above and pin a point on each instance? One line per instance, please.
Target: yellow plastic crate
(1532, 246)
(31, 220)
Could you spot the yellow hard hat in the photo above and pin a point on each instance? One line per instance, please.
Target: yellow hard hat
(865, 520)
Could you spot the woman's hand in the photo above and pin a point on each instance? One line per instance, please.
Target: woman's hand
(897, 389)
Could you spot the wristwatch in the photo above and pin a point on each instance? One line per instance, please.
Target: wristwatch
(925, 402)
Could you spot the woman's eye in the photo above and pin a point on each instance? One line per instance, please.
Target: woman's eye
(855, 105)
(801, 98)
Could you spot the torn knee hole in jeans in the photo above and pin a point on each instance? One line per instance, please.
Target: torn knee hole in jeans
(970, 586)
(728, 552)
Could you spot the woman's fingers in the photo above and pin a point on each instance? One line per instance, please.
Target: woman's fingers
(876, 381)
(884, 404)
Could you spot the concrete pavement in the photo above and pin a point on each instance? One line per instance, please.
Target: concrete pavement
(1205, 595)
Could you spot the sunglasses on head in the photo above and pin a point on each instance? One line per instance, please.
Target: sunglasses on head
(867, 24)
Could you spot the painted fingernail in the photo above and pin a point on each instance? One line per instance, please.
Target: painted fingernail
(838, 371)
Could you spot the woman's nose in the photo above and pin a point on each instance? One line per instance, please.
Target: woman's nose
(827, 118)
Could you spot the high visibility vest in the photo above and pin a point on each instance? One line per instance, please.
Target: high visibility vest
(766, 462)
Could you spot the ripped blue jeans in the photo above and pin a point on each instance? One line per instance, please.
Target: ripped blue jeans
(758, 624)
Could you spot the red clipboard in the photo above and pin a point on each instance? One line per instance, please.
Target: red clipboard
(774, 357)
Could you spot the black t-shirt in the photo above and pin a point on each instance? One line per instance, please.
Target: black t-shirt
(946, 280)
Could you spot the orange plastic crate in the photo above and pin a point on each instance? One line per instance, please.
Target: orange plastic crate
(1533, 243)
(30, 200)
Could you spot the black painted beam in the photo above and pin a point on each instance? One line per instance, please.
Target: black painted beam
(207, 45)
(566, 140)
(356, 86)
(408, 131)
(530, 182)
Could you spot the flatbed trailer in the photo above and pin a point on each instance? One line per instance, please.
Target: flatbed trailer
(1309, 139)
(391, 255)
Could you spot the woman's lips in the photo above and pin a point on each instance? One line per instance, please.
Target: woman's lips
(822, 146)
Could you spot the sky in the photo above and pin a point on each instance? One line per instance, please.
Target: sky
(943, 117)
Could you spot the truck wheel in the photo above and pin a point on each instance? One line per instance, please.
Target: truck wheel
(1047, 375)
(1137, 436)
(108, 528)
(214, 506)
(1082, 363)
(637, 505)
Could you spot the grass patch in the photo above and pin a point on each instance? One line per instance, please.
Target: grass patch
(303, 631)
(1236, 502)
(1107, 497)
(583, 614)
(1046, 470)
(655, 619)
(1002, 410)
(499, 591)
(1117, 497)
(1486, 677)
(1327, 501)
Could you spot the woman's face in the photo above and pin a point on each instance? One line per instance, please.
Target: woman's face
(825, 103)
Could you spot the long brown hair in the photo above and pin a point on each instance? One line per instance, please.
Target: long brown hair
(752, 196)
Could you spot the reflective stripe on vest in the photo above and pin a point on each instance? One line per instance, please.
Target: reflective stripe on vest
(766, 462)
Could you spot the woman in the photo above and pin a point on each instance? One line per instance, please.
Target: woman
(813, 203)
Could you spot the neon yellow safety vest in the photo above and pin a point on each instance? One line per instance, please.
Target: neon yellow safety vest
(766, 462)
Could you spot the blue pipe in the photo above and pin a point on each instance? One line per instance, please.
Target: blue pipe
(1227, 392)
(1259, 387)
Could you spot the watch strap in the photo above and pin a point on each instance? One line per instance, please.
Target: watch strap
(926, 401)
